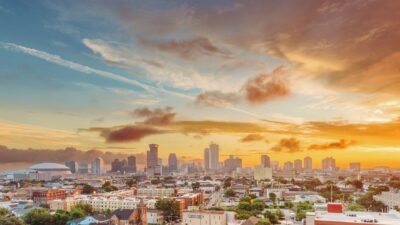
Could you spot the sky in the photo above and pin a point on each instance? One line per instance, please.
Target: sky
(285, 78)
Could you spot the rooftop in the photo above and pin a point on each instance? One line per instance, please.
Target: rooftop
(391, 218)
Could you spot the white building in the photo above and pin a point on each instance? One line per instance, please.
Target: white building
(154, 216)
(390, 199)
(155, 192)
(204, 218)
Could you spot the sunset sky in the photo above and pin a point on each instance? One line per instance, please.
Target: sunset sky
(285, 78)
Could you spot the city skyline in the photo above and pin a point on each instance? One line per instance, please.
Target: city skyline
(301, 83)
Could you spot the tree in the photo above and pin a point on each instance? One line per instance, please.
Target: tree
(229, 193)
(227, 182)
(289, 204)
(88, 189)
(257, 205)
(263, 221)
(130, 182)
(272, 217)
(4, 212)
(61, 217)
(195, 185)
(11, 221)
(84, 207)
(355, 207)
(245, 199)
(272, 196)
(77, 213)
(357, 184)
(38, 216)
(243, 205)
(369, 203)
(300, 215)
(169, 208)
(252, 196)
(243, 215)
(207, 178)
(107, 187)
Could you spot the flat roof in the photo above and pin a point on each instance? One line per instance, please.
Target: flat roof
(360, 217)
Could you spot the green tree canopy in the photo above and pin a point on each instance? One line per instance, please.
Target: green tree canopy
(169, 208)
(39, 216)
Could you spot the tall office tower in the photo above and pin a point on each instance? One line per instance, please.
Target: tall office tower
(298, 165)
(97, 165)
(72, 165)
(131, 164)
(116, 165)
(83, 168)
(231, 164)
(206, 159)
(308, 163)
(288, 165)
(265, 161)
(152, 156)
(275, 165)
(172, 162)
(329, 163)
(355, 166)
(214, 156)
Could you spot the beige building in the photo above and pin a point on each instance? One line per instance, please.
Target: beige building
(156, 192)
(62, 204)
(204, 218)
(262, 173)
(390, 199)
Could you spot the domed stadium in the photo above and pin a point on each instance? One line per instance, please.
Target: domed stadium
(53, 168)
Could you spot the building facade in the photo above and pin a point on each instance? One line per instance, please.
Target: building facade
(204, 218)
(265, 161)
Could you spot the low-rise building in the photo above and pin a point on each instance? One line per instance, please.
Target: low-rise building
(390, 199)
(44, 196)
(154, 217)
(335, 216)
(156, 192)
(204, 218)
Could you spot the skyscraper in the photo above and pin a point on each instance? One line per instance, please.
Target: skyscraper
(214, 156)
(329, 163)
(118, 165)
(172, 162)
(231, 164)
(355, 166)
(265, 161)
(288, 165)
(275, 165)
(83, 168)
(131, 164)
(72, 165)
(97, 165)
(308, 163)
(152, 156)
(298, 165)
(206, 159)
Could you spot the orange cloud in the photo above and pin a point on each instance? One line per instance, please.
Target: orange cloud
(341, 144)
(252, 137)
(290, 145)
(216, 98)
(129, 133)
(190, 48)
(158, 116)
(267, 87)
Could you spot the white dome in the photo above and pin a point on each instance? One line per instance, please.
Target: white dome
(49, 166)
